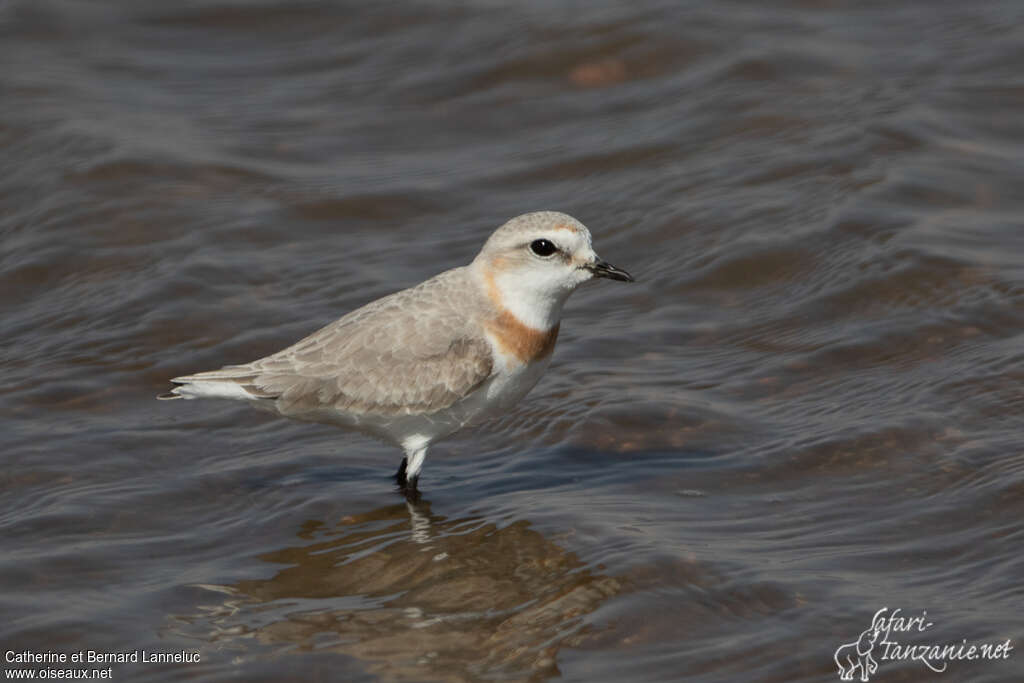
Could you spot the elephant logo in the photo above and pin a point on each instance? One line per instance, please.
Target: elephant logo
(857, 655)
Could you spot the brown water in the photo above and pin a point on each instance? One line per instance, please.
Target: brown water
(809, 407)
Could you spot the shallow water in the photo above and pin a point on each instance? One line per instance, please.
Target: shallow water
(809, 407)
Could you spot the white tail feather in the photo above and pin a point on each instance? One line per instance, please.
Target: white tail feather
(212, 389)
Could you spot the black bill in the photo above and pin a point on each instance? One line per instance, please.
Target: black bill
(605, 269)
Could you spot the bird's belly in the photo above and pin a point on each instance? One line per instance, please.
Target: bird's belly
(496, 396)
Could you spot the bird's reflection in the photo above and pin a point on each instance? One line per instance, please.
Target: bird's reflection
(420, 521)
(417, 596)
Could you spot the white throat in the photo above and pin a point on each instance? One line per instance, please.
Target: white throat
(535, 306)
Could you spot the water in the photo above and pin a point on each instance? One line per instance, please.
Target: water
(809, 407)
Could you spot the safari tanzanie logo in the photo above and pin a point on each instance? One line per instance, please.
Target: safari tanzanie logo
(894, 637)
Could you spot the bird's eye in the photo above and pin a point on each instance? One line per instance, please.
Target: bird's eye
(543, 247)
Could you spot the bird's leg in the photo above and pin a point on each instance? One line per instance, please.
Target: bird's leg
(400, 474)
(407, 484)
(408, 474)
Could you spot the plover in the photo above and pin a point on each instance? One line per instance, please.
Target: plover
(418, 365)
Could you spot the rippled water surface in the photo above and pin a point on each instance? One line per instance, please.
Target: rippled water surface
(809, 408)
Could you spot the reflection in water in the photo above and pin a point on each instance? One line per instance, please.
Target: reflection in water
(417, 596)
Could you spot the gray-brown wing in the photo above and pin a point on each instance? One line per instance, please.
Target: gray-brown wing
(414, 352)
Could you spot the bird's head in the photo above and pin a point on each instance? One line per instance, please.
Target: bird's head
(532, 263)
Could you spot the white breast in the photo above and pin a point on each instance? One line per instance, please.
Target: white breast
(514, 379)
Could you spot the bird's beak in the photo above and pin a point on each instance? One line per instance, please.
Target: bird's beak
(604, 269)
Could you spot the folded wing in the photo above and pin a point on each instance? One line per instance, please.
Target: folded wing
(413, 352)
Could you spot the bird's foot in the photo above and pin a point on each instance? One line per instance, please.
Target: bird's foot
(410, 491)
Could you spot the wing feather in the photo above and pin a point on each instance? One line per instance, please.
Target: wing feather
(414, 352)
